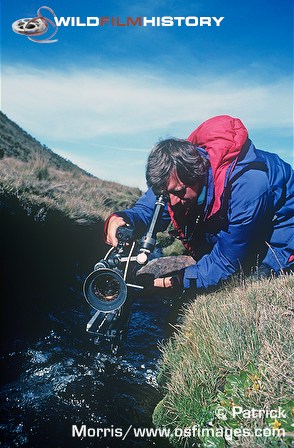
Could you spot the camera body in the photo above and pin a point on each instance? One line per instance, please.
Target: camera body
(107, 288)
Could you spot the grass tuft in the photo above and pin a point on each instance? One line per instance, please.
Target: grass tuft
(234, 348)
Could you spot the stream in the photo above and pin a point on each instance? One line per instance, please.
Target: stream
(55, 381)
(53, 377)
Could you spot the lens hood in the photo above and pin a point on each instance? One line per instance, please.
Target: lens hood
(105, 290)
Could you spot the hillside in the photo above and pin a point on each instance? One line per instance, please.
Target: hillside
(42, 181)
(17, 143)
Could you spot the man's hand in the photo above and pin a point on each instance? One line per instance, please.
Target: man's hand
(113, 224)
(168, 282)
(163, 282)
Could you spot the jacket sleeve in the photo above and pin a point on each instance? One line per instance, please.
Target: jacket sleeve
(139, 216)
(250, 212)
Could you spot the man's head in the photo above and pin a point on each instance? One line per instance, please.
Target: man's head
(176, 167)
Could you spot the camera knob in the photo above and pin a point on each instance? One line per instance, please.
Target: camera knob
(116, 260)
(142, 258)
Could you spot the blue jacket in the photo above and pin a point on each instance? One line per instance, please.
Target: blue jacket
(255, 224)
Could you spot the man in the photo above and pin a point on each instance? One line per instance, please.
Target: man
(230, 203)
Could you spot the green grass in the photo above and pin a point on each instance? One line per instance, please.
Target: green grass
(169, 244)
(234, 348)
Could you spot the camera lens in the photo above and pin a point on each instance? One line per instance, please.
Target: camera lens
(106, 288)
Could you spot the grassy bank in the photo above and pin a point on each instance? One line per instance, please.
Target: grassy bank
(232, 353)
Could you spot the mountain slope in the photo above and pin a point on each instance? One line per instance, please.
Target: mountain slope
(17, 143)
(41, 181)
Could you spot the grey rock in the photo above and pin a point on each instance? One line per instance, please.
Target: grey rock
(165, 266)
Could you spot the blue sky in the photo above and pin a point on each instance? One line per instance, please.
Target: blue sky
(103, 96)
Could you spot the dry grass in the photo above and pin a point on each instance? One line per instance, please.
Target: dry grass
(82, 198)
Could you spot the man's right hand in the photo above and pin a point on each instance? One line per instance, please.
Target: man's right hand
(113, 224)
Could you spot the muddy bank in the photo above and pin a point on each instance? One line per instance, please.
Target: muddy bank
(44, 256)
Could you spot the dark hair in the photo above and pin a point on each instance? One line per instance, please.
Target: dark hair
(174, 155)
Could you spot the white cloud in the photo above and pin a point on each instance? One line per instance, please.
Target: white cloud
(96, 116)
(82, 105)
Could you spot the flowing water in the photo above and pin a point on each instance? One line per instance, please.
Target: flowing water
(54, 377)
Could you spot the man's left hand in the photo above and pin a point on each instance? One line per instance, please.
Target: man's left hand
(167, 282)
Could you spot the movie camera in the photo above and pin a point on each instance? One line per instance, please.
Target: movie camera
(113, 279)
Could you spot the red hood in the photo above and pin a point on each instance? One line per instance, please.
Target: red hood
(222, 137)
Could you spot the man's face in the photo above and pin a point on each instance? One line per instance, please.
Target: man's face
(179, 193)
